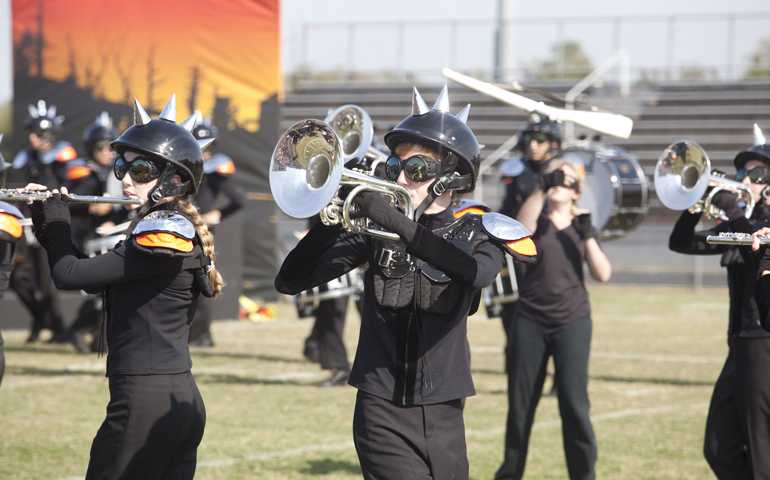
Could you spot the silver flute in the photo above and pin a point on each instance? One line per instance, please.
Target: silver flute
(725, 238)
(13, 195)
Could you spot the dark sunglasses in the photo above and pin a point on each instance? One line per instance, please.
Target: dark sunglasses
(417, 168)
(538, 137)
(758, 175)
(99, 145)
(141, 169)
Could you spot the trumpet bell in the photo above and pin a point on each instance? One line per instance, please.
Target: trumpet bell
(354, 127)
(306, 168)
(682, 175)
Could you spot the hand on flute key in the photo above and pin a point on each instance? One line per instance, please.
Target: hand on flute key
(760, 254)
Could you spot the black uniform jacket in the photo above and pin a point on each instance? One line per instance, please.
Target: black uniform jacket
(407, 356)
(741, 277)
(151, 303)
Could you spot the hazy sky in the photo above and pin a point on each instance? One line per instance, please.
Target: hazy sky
(696, 43)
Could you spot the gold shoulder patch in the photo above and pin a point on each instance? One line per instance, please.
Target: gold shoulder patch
(165, 240)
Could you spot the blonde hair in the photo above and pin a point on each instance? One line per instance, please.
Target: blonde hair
(422, 150)
(580, 174)
(189, 209)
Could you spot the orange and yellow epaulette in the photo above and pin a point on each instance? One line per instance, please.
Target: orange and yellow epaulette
(66, 154)
(77, 172)
(165, 232)
(464, 211)
(228, 168)
(10, 225)
(165, 240)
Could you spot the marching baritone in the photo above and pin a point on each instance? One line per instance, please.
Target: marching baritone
(151, 284)
(738, 425)
(412, 367)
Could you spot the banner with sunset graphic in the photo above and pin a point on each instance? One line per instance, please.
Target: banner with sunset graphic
(221, 57)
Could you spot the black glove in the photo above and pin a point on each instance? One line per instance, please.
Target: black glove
(55, 209)
(582, 224)
(374, 207)
(553, 179)
(728, 201)
(761, 258)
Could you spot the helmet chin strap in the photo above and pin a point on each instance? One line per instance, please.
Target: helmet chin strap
(445, 180)
(164, 188)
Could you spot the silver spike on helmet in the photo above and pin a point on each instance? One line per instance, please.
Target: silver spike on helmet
(759, 139)
(141, 117)
(442, 102)
(205, 142)
(41, 109)
(33, 111)
(463, 114)
(169, 111)
(419, 107)
(103, 120)
(192, 121)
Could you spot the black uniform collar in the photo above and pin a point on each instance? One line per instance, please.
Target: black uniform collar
(436, 220)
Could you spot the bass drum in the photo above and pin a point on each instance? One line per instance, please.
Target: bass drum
(100, 245)
(615, 188)
(352, 283)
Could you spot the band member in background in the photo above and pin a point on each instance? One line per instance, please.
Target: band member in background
(218, 171)
(10, 234)
(539, 141)
(45, 162)
(412, 364)
(151, 283)
(553, 318)
(738, 425)
(92, 175)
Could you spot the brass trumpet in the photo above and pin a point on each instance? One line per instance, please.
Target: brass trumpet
(306, 173)
(13, 195)
(683, 180)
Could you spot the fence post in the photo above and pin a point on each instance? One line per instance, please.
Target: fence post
(670, 48)
(730, 47)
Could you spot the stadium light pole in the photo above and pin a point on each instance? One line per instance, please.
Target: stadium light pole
(504, 41)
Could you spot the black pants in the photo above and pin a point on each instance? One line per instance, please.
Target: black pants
(737, 438)
(32, 282)
(153, 428)
(530, 344)
(326, 339)
(419, 442)
(201, 325)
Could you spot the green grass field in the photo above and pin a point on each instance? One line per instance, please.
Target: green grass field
(656, 353)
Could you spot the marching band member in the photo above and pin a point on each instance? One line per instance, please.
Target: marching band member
(539, 141)
(738, 423)
(412, 363)
(553, 318)
(218, 169)
(151, 283)
(46, 162)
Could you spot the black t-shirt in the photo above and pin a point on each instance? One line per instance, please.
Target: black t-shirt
(552, 291)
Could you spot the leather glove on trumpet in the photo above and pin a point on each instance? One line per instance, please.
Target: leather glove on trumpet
(728, 201)
(420, 241)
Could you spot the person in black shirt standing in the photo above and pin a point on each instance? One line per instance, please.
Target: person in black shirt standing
(218, 171)
(412, 363)
(738, 425)
(151, 283)
(553, 318)
(46, 161)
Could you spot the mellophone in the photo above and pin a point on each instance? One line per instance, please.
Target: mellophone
(19, 195)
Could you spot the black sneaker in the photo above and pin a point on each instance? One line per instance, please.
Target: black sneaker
(79, 341)
(339, 377)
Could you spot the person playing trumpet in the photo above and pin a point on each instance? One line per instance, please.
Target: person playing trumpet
(412, 366)
(151, 283)
(738, 425)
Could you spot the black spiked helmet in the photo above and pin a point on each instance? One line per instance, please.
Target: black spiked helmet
(43, 120)
(205, 129)
(539, 123)
(169, 143)
(760, 151)
(101, 129)
(438, 129)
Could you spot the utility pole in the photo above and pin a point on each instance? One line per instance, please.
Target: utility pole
(504, 41)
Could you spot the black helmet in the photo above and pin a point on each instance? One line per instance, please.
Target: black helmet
(170, 143)
(205, 130)
(760, 151)
(101, 129)
(43, 121)
(539, 123)
(447, 133)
